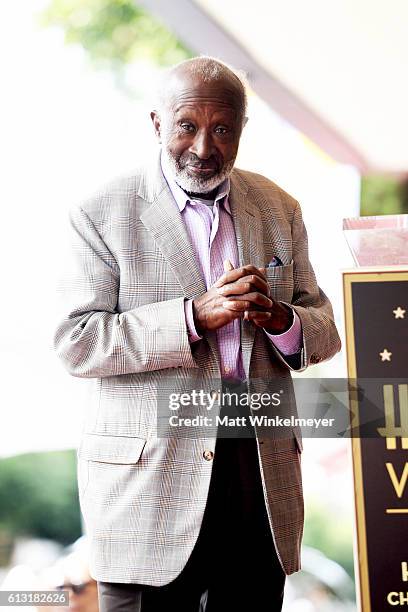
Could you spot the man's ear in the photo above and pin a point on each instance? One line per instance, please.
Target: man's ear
(155, 117)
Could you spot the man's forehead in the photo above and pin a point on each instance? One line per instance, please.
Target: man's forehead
(187, 89)
(196, 105)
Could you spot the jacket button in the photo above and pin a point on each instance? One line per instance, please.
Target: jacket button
(208, 455)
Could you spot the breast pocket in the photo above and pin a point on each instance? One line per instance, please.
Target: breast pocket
(280, 281)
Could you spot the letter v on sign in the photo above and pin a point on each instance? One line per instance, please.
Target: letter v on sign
(399, 485)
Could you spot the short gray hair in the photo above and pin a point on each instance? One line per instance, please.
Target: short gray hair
(209, 69)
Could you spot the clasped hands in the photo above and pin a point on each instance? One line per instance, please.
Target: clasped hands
(241, 293)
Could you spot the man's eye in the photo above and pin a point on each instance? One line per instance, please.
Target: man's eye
(221, 130)
(187, 127)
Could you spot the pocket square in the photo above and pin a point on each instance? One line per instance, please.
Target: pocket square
(275, 261)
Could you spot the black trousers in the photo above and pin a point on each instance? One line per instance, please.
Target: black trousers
(233, 566)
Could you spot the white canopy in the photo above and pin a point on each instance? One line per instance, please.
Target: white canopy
(335, 70)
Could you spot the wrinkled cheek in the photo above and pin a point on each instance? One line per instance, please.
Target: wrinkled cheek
(173, 154)
(228, 163)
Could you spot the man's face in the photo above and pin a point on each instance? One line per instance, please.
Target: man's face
(200, 132)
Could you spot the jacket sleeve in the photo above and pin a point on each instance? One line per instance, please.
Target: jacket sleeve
(320, 337)
(92, 338)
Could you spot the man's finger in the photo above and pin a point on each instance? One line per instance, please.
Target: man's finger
(236, 305)
(253, 298)
(257, 316)
(245, 284)
(236, 273)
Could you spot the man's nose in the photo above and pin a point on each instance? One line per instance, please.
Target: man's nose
(202, 145)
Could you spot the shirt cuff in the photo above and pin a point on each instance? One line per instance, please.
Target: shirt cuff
(290, 341)
(191, 330)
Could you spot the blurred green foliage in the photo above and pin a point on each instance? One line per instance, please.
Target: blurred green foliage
(330, 534)
(39, 496)
(383, 195)
(114, 32)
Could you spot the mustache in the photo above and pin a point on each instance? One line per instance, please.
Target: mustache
(193, 160)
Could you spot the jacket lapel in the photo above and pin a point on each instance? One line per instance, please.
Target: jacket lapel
(164, 221)
(248, 230)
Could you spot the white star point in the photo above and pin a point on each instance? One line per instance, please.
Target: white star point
(399, 313)
(385, 355)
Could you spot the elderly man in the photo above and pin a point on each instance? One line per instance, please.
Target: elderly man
(190, 267)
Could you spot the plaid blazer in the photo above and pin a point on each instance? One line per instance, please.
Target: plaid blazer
(123, 326)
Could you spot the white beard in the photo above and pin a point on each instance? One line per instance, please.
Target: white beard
(193, 184)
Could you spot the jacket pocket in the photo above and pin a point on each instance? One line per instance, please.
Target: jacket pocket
(280, 271)
(280, 280)
(111, 449)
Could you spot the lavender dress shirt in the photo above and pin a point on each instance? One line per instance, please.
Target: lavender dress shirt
(212, 234)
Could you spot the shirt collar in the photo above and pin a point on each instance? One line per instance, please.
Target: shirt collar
(182, 198)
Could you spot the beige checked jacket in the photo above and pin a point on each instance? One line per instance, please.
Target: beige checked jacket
(123, 327)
